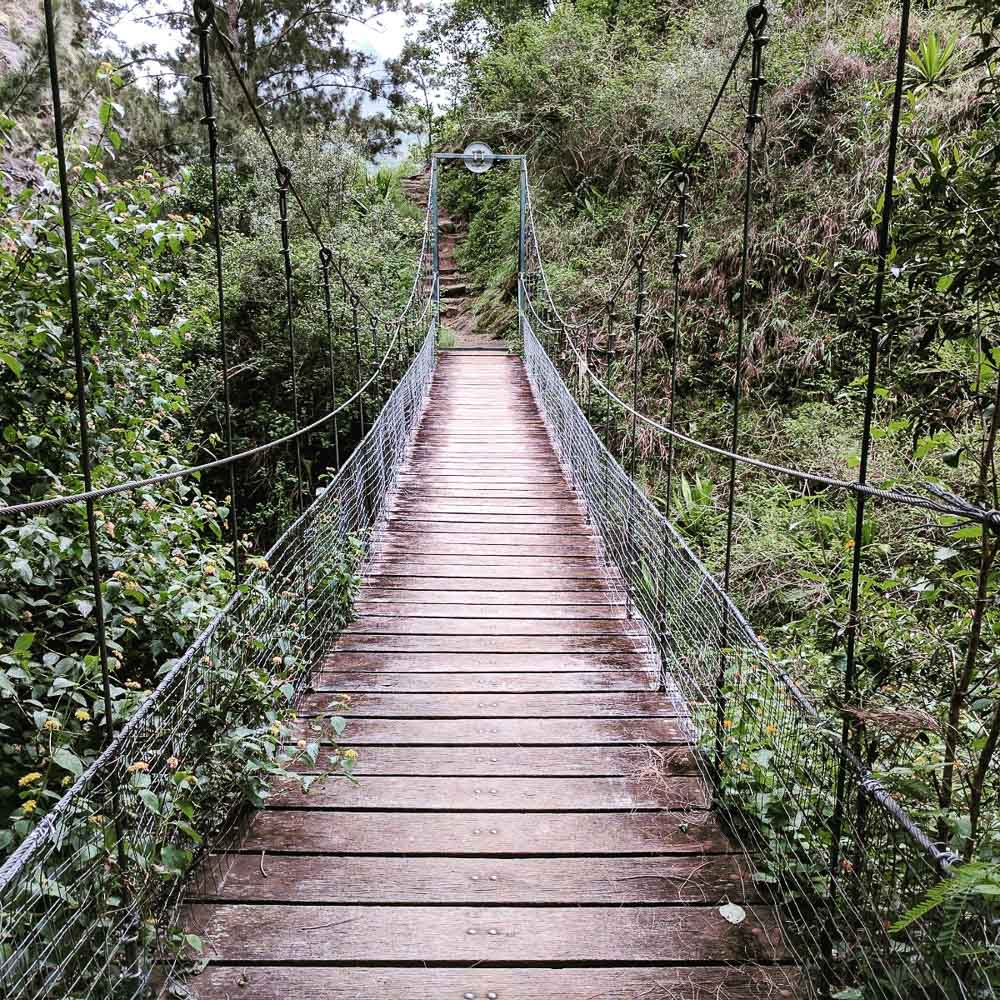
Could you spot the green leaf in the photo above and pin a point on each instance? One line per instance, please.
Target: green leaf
(12, 363)
(68, 760)
(176, 859)
(338, 724)
(24, 641)
(150, 800)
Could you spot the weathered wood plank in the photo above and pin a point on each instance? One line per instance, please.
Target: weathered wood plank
(253, 982)
(270, 933)
(423, 609)
(500, 523)
(496, 732)
(507, 567)
(416, 834)
(492, 683)
(435, 543)
(517, 762)
(594, 586)
(478, 662)
(496, 794)
(587, 600)
(580, 705)
(522, 644)
(471, 881)
(375, 624)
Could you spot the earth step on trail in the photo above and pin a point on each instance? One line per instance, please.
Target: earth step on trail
(528, 821)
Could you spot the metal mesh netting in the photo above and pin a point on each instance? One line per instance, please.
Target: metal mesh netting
(827, 842)
(89, 903)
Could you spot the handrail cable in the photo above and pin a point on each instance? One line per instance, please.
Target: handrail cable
(954, 506)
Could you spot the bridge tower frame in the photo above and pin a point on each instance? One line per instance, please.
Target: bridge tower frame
(477, 157)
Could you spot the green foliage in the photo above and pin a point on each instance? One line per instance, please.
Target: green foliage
(164, 568)
(969, 882)
(933, 64)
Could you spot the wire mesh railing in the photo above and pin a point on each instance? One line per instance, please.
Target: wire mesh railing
(90, 903)
(839, 856)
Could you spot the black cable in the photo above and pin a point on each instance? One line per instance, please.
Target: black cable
(204, 14)
(682, 182)
(325, 260)
(73, 293)
(284, 177)
(756, 25)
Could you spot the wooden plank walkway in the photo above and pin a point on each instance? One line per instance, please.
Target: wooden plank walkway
(528, 822)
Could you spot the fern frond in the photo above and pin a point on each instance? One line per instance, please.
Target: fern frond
(972, 879)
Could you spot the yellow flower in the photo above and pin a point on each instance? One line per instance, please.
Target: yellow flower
(210, 569)
(52, 725)
(29, 779)
(173, 763)
(139, 765)
(770, 730)
(276, 729)
(133, 685)
(81, 715)
(96, 820)
(30, 806)
(727, 723)
(67, 781)
(302, 744)
(350, 754)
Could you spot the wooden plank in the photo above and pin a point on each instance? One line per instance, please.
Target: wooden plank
(526, 541)
(493, 683)
(588, 600)
(593, 586)
(515, 762)
(450, 521)
(470, 881)
(270, 933)
(496, 794)
(497, 568)
(496, 732)
(455, 834)
(527, 644)
(506, 628)
(419, 705)
(252, 982)
(494, 507)
(415, 545)
(477, 662)
(367, 606)
(489, 524)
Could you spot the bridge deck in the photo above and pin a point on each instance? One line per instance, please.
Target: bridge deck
(528, 822)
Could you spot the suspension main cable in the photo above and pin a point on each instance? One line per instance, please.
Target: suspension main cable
(949, 505)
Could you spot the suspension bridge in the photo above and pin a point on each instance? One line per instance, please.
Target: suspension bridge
(569, 741)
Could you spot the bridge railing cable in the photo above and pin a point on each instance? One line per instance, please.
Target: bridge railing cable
(90, 900)
(841, 856)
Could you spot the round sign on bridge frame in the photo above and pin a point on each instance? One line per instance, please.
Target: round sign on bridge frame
(478, 157)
